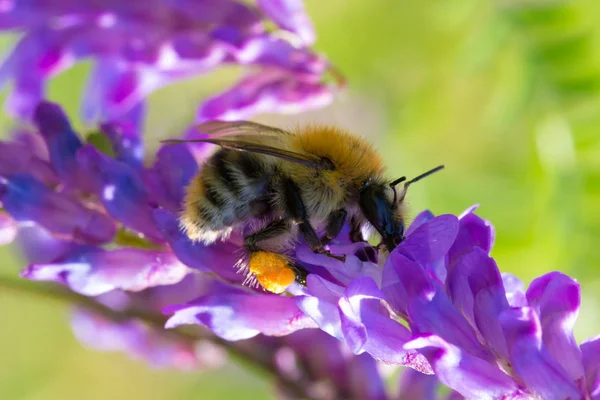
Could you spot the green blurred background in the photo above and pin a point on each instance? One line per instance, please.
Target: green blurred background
(504, 93)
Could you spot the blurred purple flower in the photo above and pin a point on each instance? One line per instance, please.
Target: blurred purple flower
(140, 341)
(138, 47)
(92, 271)
(439, 304)
(8, 229)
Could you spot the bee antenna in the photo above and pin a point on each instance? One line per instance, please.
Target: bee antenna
(424, 175)
(393, 186)
(397, 181)
(413, 180)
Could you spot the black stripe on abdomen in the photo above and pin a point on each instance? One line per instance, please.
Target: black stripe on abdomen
(224, 164)
(251, 167)
(213, 194)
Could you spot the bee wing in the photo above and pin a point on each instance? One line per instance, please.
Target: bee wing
(251, 137)
(239, 128)
(252, 147)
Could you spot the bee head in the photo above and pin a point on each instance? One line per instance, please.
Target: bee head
(380, 207)
(381, 204)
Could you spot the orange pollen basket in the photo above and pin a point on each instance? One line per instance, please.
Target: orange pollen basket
(272, 271)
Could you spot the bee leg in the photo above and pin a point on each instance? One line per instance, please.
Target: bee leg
(314, 242)
(355, 231)
(275, 272)
(295, 208)
(335, 223)
(301, 274)
(272, 230)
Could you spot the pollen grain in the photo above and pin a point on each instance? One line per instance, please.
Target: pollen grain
(272, 271)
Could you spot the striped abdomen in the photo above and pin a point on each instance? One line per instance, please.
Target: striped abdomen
(231, 187)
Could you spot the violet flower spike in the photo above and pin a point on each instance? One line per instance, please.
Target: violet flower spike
(139, 47)
(466, 325)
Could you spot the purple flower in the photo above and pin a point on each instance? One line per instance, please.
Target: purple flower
(335, 372)
(235, 314)
(490, 345)
(93, 271)
(8, 228)
(437, 304)
(140, 47)
(141, 341)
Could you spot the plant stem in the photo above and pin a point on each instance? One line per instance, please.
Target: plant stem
(263, 366)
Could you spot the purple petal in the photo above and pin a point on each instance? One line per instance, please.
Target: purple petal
(126, 143)
(362, 300)
(18, 158)
(27, 199)
(290, 15)
(62, 142)
(93, 271)
(37, 245)
(476, 289)
(265, 92)
(515, 290)
(362, 314)
(271, 51)
(472, 377)
(156, 298)
(365, 380)
(234, 314)
(453, 395)
(419, 220)
(113, 93)
(416, 385)
(219, 258)
(121, 191)
(355, 316)
(431, 240)
(343, 272)
(105, 73)
(141, 342)
(321, 306)
(172, 171)
(530, 359)
(28, 86)
(128, 89)
(590, 350)
(555, 298)
(413, 294)
(402, 281)
(36, 145)
(474, 231)
(8, 229)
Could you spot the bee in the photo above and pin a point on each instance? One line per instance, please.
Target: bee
(273, 185)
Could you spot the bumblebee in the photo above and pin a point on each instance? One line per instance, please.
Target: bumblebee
(273, 185)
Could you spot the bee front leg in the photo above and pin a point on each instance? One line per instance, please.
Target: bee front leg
(355, 231)
(335, 223)
(295, 208)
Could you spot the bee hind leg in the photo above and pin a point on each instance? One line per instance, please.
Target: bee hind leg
(274, 271)
(271, 231)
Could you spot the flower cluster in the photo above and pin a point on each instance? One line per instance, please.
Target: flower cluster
(138, 47)
(99, 218)
(105, 225)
